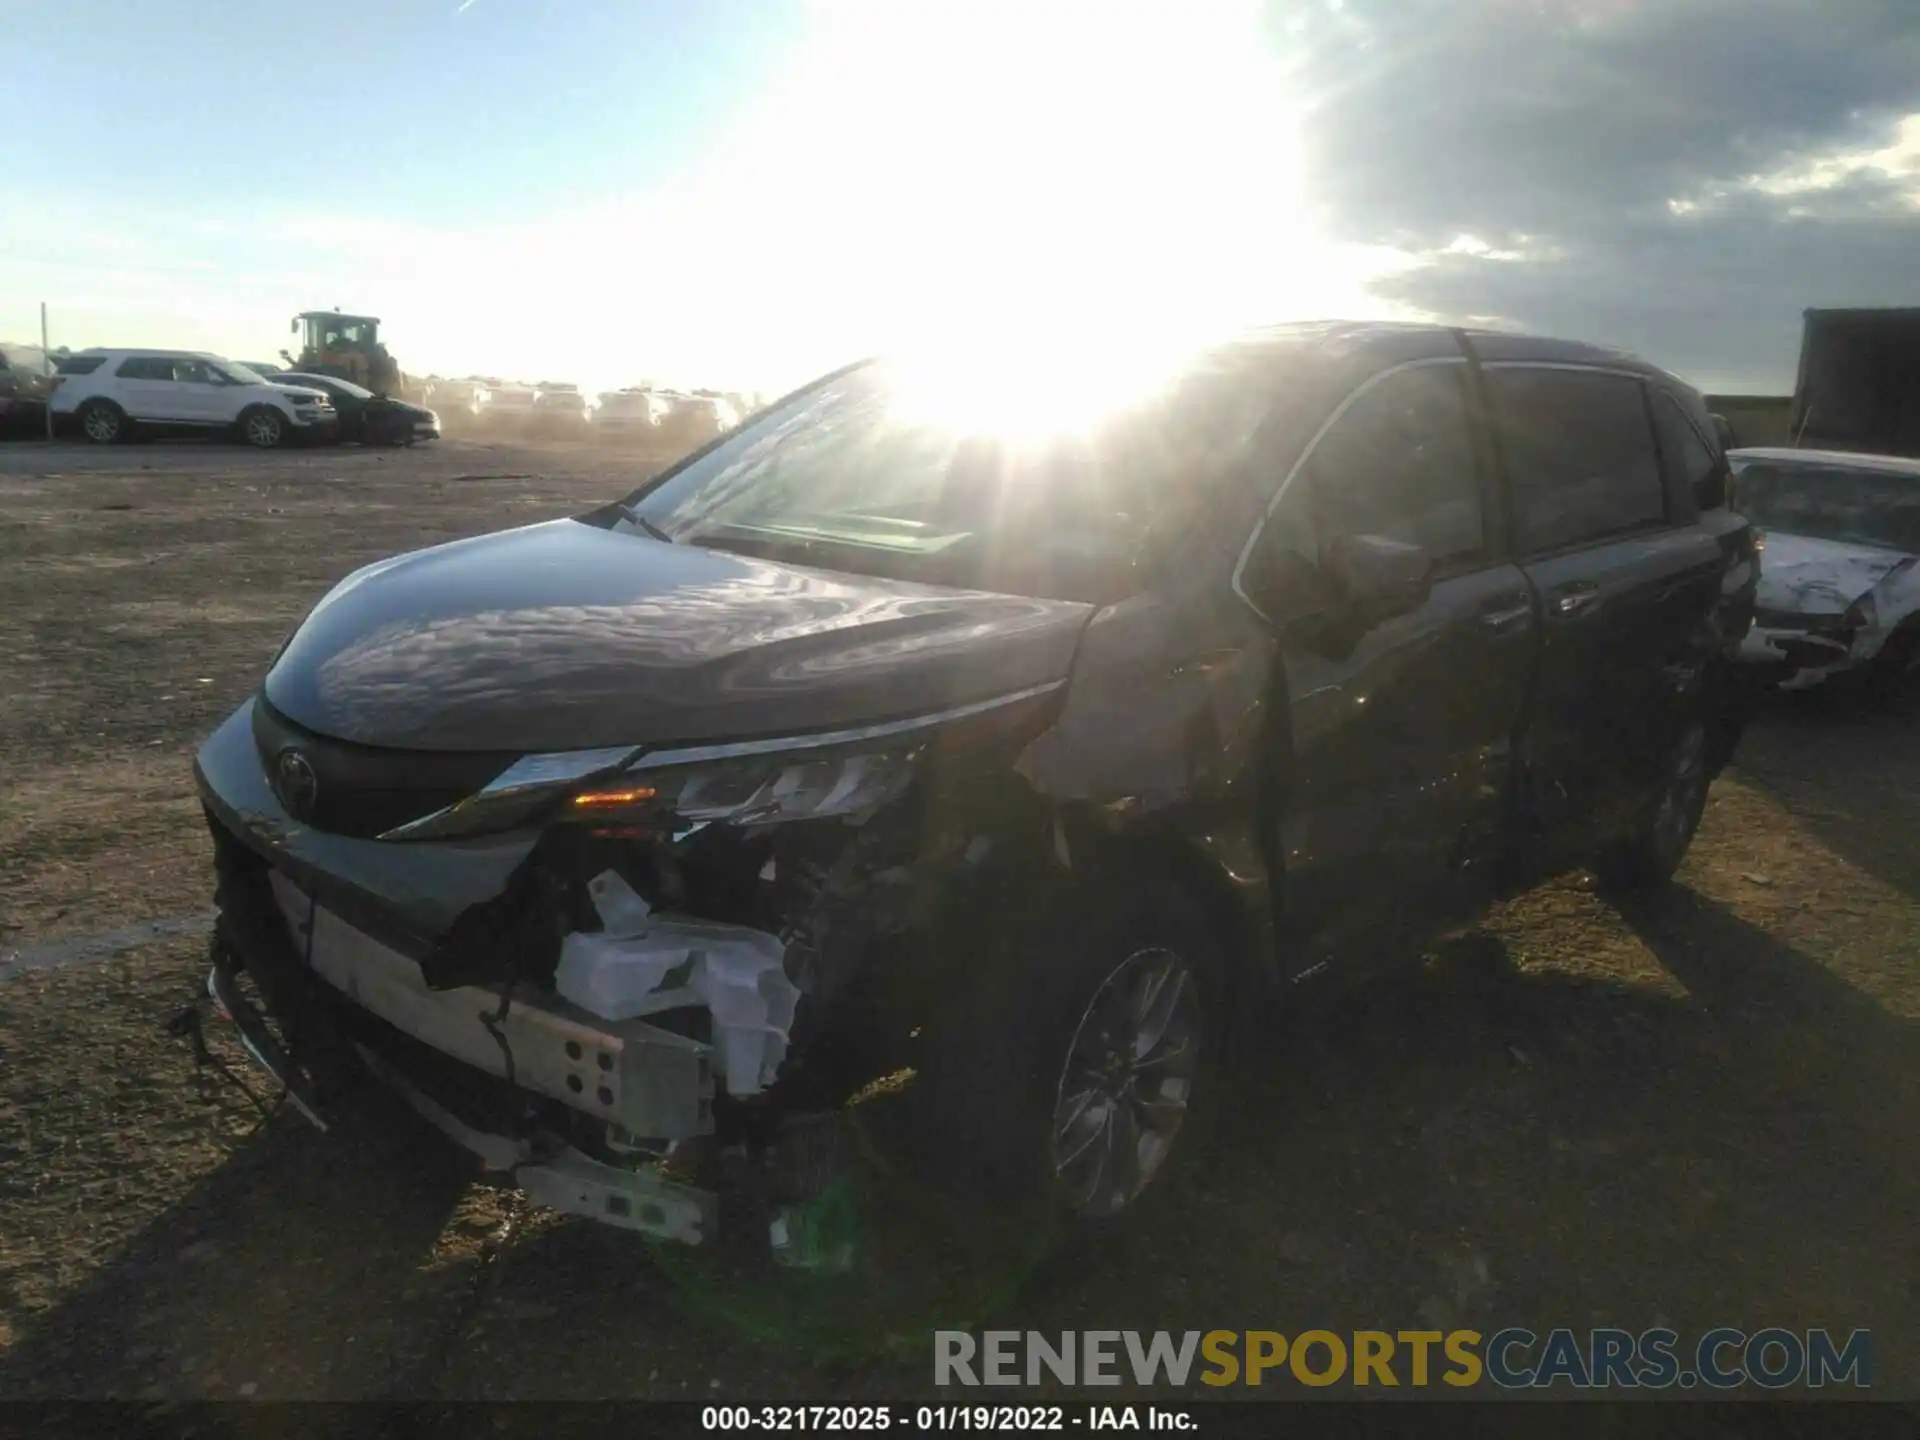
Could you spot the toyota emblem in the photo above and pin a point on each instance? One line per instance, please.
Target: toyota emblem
(296, 784)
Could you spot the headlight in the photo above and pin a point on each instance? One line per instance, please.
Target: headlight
(754, 789)
(517, 795)
(600, 786)
(753, 782)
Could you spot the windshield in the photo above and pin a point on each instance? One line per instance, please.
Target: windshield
(237, 372)
(1831, 502)
(853, 475)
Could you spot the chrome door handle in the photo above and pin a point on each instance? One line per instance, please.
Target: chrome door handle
(1572, 599)
(1503, 620)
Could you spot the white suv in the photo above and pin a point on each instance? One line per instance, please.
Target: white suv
(111, 394)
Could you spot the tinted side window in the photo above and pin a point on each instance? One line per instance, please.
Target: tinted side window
(82, 364)
(145, 367)
(1580, 454)
(1687, 454)
(1400, 463)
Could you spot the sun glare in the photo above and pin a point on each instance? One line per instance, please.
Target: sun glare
(1055, 200)
(965, 176)
(983, 180)
(1047, 385)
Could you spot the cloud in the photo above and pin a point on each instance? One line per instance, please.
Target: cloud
(1681, 178)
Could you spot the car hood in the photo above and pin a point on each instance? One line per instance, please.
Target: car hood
(564, 635)
(296, 390)
(1803, 576)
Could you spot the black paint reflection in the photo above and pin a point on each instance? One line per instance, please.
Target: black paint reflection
(563, 635)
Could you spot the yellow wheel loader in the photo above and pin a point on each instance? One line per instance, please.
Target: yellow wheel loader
(347, 347)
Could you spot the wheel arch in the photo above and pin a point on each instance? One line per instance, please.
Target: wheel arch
(1218, 863)
(263, 407)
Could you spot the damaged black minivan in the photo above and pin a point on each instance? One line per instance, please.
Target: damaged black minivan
(869, 744)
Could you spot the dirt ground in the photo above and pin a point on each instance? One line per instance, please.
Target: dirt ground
(1701, 1112)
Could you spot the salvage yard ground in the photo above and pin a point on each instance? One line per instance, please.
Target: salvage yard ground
(1702, 1112)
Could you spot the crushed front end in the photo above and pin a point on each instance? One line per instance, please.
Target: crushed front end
(639, 982)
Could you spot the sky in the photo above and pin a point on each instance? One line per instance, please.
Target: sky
(741, 193)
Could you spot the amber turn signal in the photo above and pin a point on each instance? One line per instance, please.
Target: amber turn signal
(608, 799)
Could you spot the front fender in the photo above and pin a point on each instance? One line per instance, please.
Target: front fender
(1166, 747)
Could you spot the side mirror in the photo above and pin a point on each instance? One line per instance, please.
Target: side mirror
(1723, 431)
(1378, 578)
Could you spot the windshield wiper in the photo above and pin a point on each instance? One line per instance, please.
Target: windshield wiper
(640, 522)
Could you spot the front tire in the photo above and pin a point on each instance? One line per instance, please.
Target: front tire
(1075, 1068)
(103, 422)
(1649, 856)
(264, 428)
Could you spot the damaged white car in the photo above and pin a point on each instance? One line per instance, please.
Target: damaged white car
(1840, 578)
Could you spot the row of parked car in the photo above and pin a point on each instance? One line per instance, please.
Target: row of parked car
(108, 395)
(555, 410)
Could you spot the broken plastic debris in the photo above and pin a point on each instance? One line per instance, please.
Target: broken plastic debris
(645, 962)
(621, 910)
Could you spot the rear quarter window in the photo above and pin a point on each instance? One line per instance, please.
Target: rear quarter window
(81, 364)
(1579, 453)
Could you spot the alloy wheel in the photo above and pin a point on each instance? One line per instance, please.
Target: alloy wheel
(102, 425)
(263, 429)
(1125, 1087)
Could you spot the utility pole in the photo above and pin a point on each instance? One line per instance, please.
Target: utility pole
(47, 351)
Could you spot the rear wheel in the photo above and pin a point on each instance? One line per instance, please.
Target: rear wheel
(1650, 855)
(263, 427)
(103, 422)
